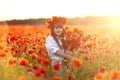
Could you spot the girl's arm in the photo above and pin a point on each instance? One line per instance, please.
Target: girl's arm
(69, 52)
(67, 56)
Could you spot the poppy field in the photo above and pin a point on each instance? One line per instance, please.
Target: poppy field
(23, 55)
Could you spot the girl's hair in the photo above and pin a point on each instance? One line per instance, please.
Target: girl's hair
(55, 38)
(51, 23)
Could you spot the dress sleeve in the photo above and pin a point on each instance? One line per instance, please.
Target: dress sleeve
(51, 46)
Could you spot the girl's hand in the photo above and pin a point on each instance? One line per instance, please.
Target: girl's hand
(70, 53)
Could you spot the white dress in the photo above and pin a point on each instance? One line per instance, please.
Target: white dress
(52, 47)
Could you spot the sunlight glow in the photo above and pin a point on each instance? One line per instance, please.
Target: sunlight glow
(21, 9)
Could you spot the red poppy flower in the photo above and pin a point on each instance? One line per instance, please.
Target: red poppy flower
(101, 70)
(39, 59)
(98, 76)
(56, 66)
(2, 54)
(77, 62)
(46, 61)
(23, 62)
(36, 67)
(56, 78)
(114, 75)
(43, 70)
(22, 78)
(37, 73)
(31, 51)
(87, 58)
(11, 61)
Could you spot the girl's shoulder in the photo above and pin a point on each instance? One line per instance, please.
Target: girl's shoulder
(49, 37)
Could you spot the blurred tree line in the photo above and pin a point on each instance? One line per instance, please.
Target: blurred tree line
(88, 20)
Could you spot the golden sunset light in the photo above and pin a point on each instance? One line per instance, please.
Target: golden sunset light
(22, 9)
(59, 40)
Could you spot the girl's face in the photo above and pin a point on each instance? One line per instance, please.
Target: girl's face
(58, 29)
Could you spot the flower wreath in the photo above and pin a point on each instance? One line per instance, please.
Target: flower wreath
(56, 19)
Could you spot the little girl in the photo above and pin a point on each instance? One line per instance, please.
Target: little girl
(55, 41)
